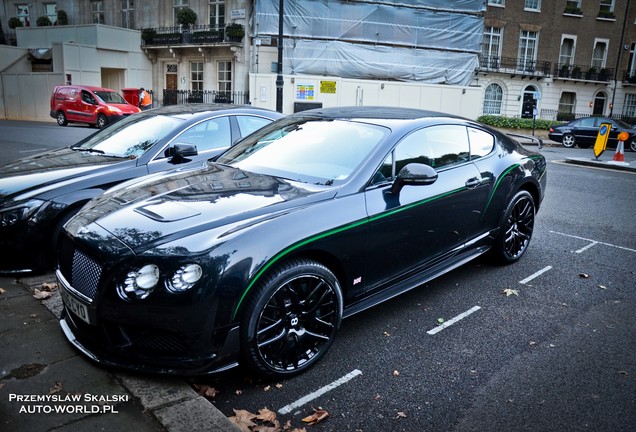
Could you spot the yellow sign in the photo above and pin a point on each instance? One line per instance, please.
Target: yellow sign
(328, 87)
(601, 139)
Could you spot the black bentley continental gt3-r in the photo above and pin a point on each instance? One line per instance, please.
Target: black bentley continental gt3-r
(254, 258)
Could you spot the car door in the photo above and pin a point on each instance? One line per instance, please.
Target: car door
(585, 131)
(427, 223)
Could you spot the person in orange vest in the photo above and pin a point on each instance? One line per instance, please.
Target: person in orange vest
(145, 100)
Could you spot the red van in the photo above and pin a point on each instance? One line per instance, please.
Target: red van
(96, 106)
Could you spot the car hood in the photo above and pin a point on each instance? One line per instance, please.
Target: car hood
(162, 209)
(46, 170)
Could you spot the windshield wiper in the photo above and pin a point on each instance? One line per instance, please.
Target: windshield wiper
(90, 150)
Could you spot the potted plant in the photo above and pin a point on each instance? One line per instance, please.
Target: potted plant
(43, 21)
(147, 35)
(186, 17)
(235, 32)
(565, 69)
(15, 22)
(602, 75)
(576, 72)
(591, 73)
(62, 18)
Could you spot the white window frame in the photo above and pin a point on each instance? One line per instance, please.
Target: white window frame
(608, 3)
(493, 99)
(128, 14)
(224, 75)
(217, 14)
(569, 106)
(570, 62)
(528, 49)
(51, 14)
(629, 107)
(598, 62)
(196, 75)
(487, 51)
(97, 11)
(23, 12)
(532, 8)
(497, 3)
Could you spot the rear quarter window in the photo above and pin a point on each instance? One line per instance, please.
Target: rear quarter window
(481, 143)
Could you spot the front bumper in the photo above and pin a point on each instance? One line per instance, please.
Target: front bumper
(147, 349)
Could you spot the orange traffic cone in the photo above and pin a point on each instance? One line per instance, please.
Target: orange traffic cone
(619, 156)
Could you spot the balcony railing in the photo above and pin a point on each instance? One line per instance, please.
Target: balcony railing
(194, 35)
(180, 97)
(580, 72)
(516, 66)
(629, 76)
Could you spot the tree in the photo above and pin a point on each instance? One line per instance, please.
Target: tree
(43, 21)
(62, 18)
(15, 22)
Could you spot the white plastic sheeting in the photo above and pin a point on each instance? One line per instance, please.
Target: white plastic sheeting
(433, 41)
(334, 58)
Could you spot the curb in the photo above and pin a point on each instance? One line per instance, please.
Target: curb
(174, 404)
(619, 166)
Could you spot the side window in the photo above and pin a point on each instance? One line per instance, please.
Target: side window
(588, 122)
(88, 98)
(209, 135)
(481, 143)
(437, 146)
(248, 124)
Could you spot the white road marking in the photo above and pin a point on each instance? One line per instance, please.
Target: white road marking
(594, 242)
(532, 276)
(311, 396)
(452, 321)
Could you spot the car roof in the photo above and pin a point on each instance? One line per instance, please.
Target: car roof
(374, 112)
(200, 108)
(85, 87)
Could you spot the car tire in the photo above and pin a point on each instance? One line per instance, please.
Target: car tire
(515, 228)
(61, 118)
(568, 140)
(102, 121)
(632, 145)
(291, 320)
(584, 146)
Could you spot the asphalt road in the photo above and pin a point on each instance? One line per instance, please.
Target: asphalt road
(556, 354)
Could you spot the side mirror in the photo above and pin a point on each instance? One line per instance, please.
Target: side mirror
(178, 152)
(414, 174)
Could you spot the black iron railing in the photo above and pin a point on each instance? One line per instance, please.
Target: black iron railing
(179, 97)
(581, 72)
(515, 65)
(193, 35)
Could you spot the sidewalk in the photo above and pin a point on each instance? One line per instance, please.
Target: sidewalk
(46, 385)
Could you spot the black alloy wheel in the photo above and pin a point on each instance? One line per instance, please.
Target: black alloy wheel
(292, 319)
(61, 118)
(516, 228)
(568, 140)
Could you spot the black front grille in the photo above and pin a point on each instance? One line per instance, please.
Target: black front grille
(155, 340)
(80, 270)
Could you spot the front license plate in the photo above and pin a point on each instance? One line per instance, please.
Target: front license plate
(75, 306)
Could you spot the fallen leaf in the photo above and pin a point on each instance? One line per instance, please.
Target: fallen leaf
(263, 428)
(266, 415)
(267, 388)
(508, 292)
(387, 334)
(243, 420)
(400, 414)
(49, 286)
(34, 315)
(396, 373)
(602, 287)
(279, 386)
(41, 295)
(584, 276)
(440, 320)
(2, 291)
(56, 388)
(238, 392)
(318, 416)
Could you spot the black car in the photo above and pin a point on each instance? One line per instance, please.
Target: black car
(39, 194)
(583, 132)
(256, 257)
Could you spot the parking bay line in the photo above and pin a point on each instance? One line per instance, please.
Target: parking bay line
(592, 243)
(537, 274)
(452, 321)
(311, 396)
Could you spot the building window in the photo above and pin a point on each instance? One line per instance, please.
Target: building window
(629, 107)
(196, 75)
(225, 76)
(97, 11)
(567, 102)
(527, 57)
(492, 99)
(128, 14)
(496, 3)
(631, 71)
(491, 47)
(532, 5)
(599, 55)
(606, 9)
(217, 14)
(566, 56)
(50, 10)
(573, 7)
(22, 11)
(179, 4)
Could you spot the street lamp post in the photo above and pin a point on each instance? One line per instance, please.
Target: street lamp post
(279, 77)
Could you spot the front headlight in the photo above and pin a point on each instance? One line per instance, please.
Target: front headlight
(184, 278)
(139, 283)
(19, 212)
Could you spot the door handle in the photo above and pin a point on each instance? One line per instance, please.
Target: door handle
(473, 183)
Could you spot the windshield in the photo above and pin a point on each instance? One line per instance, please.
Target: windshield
(130, 137)
(309, 150)
(110, 97)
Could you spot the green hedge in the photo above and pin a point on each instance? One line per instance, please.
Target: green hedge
(515, 122)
